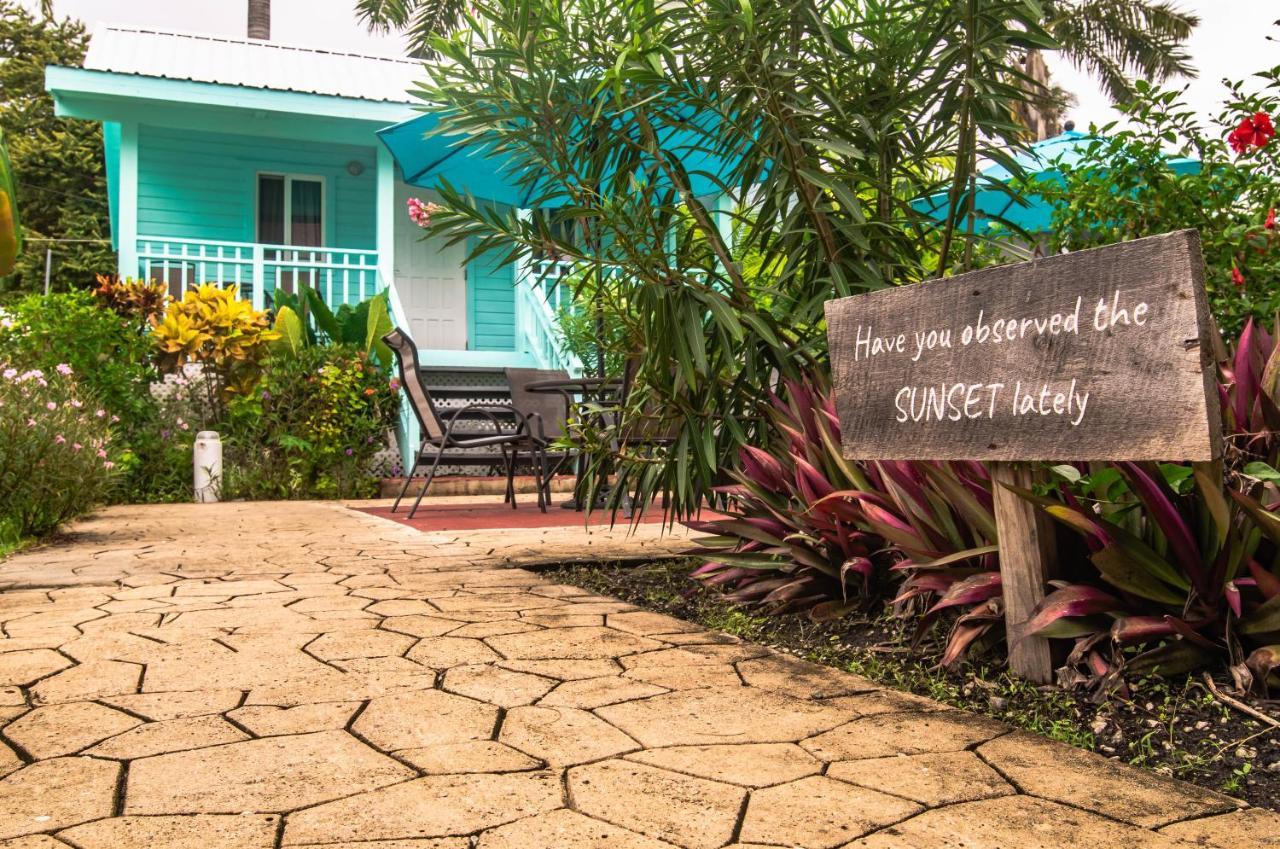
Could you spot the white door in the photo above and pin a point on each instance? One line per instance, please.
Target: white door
(431, 280)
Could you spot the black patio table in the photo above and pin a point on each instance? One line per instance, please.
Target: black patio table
(572, 388)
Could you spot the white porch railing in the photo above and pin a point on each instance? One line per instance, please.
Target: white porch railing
(542, 293)
(340, 275)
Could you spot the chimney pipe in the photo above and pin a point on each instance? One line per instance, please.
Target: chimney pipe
(260, 19)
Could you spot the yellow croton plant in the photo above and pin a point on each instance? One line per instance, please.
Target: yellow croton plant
(10, 229)
(214, 327)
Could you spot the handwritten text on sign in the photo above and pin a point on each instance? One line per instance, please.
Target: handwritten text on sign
(1094, 355)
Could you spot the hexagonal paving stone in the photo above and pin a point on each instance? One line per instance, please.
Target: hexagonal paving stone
(929, 779)
(723, 715)
(646, 623)
(433, 843)
(33, 841)
(270, 774)
(56, 793)
(161, 706)
(903, 734)
(563, 736)
(428, 807)
(344, 645)
(750, 764)
(54, 730)
(885, 701)
(801, 678)
(472, 756)
(1012, 821)
(22, 668)
(424, 718)
(1249, 829)
(1062, 773)
(206, 831)
(591, 693)
(496, 685)
(447, 652)
(819, 813)
(172, 735)
(88, 681)
(571, 643)
(496, 601)
(565, 828)
(402, 607)
(565, 670)
(270, 720)
(419, 626)
(690, 812)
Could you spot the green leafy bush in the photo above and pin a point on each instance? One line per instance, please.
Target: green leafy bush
(1124, 187)
(54, 461)
(311, 428)
(111, 356)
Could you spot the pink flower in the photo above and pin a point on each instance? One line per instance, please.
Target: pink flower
(102, 453)
(31, 422)
(115, 419)
(76, 446)
(108, 465)
(184, 426)
(51, 406)
(60, 439)
(100, 413)
(76, 403)
(420, 213)
(64, 369)
(10, 373)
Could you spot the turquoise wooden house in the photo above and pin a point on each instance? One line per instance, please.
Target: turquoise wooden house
(258, 164)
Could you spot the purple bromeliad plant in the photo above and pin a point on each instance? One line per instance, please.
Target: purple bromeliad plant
(1165, 567)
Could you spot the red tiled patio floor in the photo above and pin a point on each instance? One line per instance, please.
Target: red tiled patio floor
(486, 516)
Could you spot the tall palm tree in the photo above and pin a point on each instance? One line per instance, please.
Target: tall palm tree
(417, 19)
(1117, 40)
(260, 19)
(1122, 40)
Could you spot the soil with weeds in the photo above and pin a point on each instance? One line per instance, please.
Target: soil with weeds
(1173, 727)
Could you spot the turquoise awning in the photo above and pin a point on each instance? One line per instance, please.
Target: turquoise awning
(429, 158)
(1031, 212)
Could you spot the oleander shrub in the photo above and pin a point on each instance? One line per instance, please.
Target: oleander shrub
(54, 450)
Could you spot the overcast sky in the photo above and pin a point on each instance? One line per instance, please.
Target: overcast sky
(1230, 42)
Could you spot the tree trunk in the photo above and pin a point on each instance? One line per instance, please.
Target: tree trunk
(1042, 111)
(260, 19)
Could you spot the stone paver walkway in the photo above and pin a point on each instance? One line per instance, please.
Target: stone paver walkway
(249, 676)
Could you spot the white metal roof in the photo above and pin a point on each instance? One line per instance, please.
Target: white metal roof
(250, 63)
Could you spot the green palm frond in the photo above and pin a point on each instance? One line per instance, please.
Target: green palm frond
(1119, 40)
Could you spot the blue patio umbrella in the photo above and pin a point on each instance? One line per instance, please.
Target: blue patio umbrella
(994, 204)
(429, 159)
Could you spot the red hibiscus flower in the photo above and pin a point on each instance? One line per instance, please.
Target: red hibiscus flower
(1252, 132)
(1236, 277)
(1271, 219)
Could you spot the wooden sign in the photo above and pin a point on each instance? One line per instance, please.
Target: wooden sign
(1096, 355)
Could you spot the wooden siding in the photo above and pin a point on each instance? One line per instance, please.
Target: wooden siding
(203, 185)
(491, 305)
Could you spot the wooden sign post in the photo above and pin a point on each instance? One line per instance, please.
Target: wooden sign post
(1102, 354)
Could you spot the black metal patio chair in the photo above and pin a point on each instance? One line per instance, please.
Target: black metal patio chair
(443, 442)
(546, 415)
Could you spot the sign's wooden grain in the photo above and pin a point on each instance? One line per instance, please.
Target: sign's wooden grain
(1097, 355)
